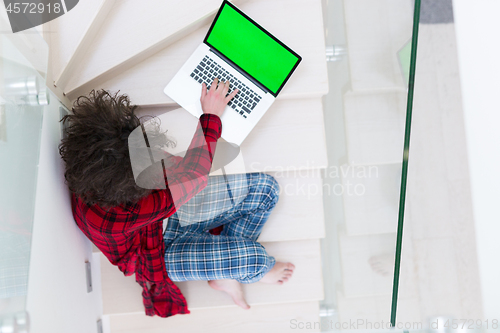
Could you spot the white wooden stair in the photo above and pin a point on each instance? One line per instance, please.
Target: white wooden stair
(266, 318)
(110, 42)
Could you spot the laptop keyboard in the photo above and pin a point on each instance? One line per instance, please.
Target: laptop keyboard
(244, 101)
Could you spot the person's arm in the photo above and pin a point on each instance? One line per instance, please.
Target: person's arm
(190, 175)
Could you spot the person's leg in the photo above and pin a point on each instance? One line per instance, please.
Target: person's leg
(246, 218)
(234, 257)
(223, 261)
(194, 256)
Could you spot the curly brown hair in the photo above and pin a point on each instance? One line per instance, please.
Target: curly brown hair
(95, 150)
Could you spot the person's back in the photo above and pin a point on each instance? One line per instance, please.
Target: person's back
(120, 218)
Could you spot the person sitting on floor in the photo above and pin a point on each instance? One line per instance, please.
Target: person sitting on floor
(125, 221)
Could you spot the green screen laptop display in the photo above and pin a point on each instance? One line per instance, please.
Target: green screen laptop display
(252, 49)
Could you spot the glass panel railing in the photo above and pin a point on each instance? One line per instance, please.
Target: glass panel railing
(439, 228)
(23, 64)
(366, 116)
(368, 48)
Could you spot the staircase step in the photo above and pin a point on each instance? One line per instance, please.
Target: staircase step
(79, 53)
(376, 31)
(374, 123)
(265, 318)
(290, 136)
(123, 41)
(122, 295)
(300, 27)
(63, 41)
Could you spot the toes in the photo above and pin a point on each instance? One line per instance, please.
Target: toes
(289, 266)
(280, 282)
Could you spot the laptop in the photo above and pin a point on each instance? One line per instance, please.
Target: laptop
(238, 50)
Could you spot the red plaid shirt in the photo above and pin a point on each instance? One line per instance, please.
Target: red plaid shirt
(131, 235)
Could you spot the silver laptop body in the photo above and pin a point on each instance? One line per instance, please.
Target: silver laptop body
(207, 62)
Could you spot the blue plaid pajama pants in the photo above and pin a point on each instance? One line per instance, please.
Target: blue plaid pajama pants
(192, 253)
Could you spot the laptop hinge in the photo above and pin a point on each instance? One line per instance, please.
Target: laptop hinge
(240, 71)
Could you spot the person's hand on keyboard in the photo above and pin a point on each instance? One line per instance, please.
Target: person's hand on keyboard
(214, 100)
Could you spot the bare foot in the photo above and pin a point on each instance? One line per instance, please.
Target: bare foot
(233, 288)
(279, 274)
(382, 264)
